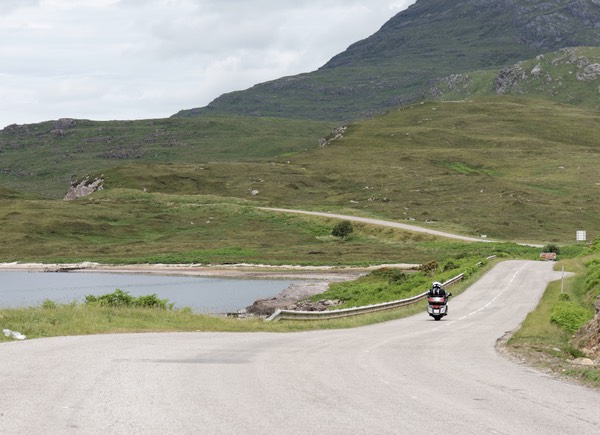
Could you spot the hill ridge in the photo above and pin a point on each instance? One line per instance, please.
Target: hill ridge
(429, 40)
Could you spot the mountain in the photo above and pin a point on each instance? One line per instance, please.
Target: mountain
(429, 40)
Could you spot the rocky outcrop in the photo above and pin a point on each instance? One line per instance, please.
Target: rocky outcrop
(320, 305)
(287, 298)
(509, 78)
(337, 133)
(83, 188)
(61, 127)
(590, 72)
(588, 337)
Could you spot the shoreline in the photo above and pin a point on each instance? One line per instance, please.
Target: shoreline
(242, 270)
(306, 280)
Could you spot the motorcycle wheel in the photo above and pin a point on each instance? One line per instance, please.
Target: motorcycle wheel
(437, 317)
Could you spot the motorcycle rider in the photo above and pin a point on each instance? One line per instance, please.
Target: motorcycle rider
(437, 290)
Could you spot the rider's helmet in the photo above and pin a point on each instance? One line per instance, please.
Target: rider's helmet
(437, 284)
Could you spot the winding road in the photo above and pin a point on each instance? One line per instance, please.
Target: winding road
(408, 376)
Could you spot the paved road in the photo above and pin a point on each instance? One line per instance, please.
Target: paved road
(409, 376)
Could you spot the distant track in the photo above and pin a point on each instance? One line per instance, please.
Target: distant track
(380, 222)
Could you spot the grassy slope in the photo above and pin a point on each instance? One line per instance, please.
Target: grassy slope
(127, 226)
(44, 158)
(510, 168)
(513, 169)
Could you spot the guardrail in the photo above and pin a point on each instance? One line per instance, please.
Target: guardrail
(346, 312)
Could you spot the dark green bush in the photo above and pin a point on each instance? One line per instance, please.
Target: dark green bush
(119, 298)
(552, 248)
(152, 301)
(392, 275)
(342, 229)
(449, 265)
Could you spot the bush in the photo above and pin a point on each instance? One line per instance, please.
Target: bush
(450, 265)
(342, 229)
(429, 268)
(569, 315)
(152, 301)
(552, 248)
(119, 298)
(48, 304)
(392, 275)
(592, 278)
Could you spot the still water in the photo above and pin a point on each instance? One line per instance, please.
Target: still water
(201, 294)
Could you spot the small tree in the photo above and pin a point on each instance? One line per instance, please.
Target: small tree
(552, 248)
(342, 229)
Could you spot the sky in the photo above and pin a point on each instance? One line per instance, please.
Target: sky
(140, 59)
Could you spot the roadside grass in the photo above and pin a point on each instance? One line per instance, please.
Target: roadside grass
(391, 284)
(551, 345)
(78, 319)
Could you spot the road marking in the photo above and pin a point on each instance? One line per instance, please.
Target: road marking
(494, 299)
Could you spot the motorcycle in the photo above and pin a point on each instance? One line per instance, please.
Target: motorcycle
(438, 306)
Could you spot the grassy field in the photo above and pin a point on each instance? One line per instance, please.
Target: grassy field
(127, 226)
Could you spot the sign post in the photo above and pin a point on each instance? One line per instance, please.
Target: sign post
(581, 236)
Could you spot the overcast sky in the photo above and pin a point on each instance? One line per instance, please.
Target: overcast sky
(138, 59)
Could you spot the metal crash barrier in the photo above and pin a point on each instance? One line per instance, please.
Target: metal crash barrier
(347, 312)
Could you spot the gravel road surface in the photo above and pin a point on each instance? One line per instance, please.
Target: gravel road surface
(409, 376)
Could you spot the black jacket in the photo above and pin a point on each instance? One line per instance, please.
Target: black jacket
(437, 291)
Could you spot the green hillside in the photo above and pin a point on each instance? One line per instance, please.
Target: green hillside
(500, 155)
(508, 168)
(45, 158)
(570, 75)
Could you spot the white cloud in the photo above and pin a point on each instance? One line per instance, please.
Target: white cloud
(132, 59)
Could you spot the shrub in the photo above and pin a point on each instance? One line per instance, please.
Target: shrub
(119, 298)
(569, 315)
(429, 268)
(450, 265)
(592, 278)
(342, 229)
(552, 248)
(392, 275)
(48, 304)
(152, 301)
